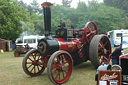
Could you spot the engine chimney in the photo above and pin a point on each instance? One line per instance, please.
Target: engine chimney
(47, 17)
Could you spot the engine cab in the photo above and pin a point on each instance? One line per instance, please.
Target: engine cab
(64, 32)
(68, 33)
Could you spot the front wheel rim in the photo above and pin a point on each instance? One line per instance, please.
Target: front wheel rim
(60, 68)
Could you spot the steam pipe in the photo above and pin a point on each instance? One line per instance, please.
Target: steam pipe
(47, 17)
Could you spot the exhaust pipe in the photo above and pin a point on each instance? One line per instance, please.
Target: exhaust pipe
(47, 17)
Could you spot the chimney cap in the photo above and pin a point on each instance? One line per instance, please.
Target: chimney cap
(46, 4)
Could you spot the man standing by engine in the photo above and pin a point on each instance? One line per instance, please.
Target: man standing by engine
(115, 55)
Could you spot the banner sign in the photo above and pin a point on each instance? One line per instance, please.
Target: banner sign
(109, 78)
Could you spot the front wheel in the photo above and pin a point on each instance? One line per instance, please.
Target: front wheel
(59, 67)
(33, 63)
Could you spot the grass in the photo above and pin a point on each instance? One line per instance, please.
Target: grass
(11, 73)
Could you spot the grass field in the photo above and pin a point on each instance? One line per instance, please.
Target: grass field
(11, 73)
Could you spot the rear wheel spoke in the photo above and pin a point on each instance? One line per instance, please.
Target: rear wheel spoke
(105, 58)
(105, 44)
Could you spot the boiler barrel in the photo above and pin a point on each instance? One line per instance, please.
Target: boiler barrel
(69, 46)
(49, 46)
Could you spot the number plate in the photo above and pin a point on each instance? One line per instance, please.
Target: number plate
(125, 78)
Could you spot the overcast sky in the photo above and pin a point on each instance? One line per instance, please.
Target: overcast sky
(73, 4)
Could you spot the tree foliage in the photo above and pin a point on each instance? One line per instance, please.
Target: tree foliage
(10, 16)
(66, 3)
(107, 18)
(16, 18)
(33, 7)
(121, 4)
(38, 23)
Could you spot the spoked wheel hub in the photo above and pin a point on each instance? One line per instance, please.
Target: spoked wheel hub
(60, 67)
(35, 62)
(63, 68)
(104, 51)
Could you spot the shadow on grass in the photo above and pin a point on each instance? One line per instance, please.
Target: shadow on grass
(85, 65)
(43, 77)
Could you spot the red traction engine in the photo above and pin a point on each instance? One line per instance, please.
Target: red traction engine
(67, 48)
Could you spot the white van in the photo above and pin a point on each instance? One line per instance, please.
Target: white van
(115, 36)
(31, 40)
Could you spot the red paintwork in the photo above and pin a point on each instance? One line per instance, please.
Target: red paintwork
(46, 60)
(70, 46)
(16, 54)
(124, 56)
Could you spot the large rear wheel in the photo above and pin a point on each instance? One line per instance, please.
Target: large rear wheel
(99, 50)
(59, 67)
(33, 63)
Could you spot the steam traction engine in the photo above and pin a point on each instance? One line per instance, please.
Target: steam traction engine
(69, 47)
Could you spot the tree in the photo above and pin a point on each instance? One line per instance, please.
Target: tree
(81, 10)
(121, 4)
(38, 23)
(65, 14)
(35, 16)
(106, 18)
(21, 3)
(66, 3)
(33, 7)
(10, 16)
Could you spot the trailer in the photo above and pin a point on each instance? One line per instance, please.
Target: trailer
(115, 36)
